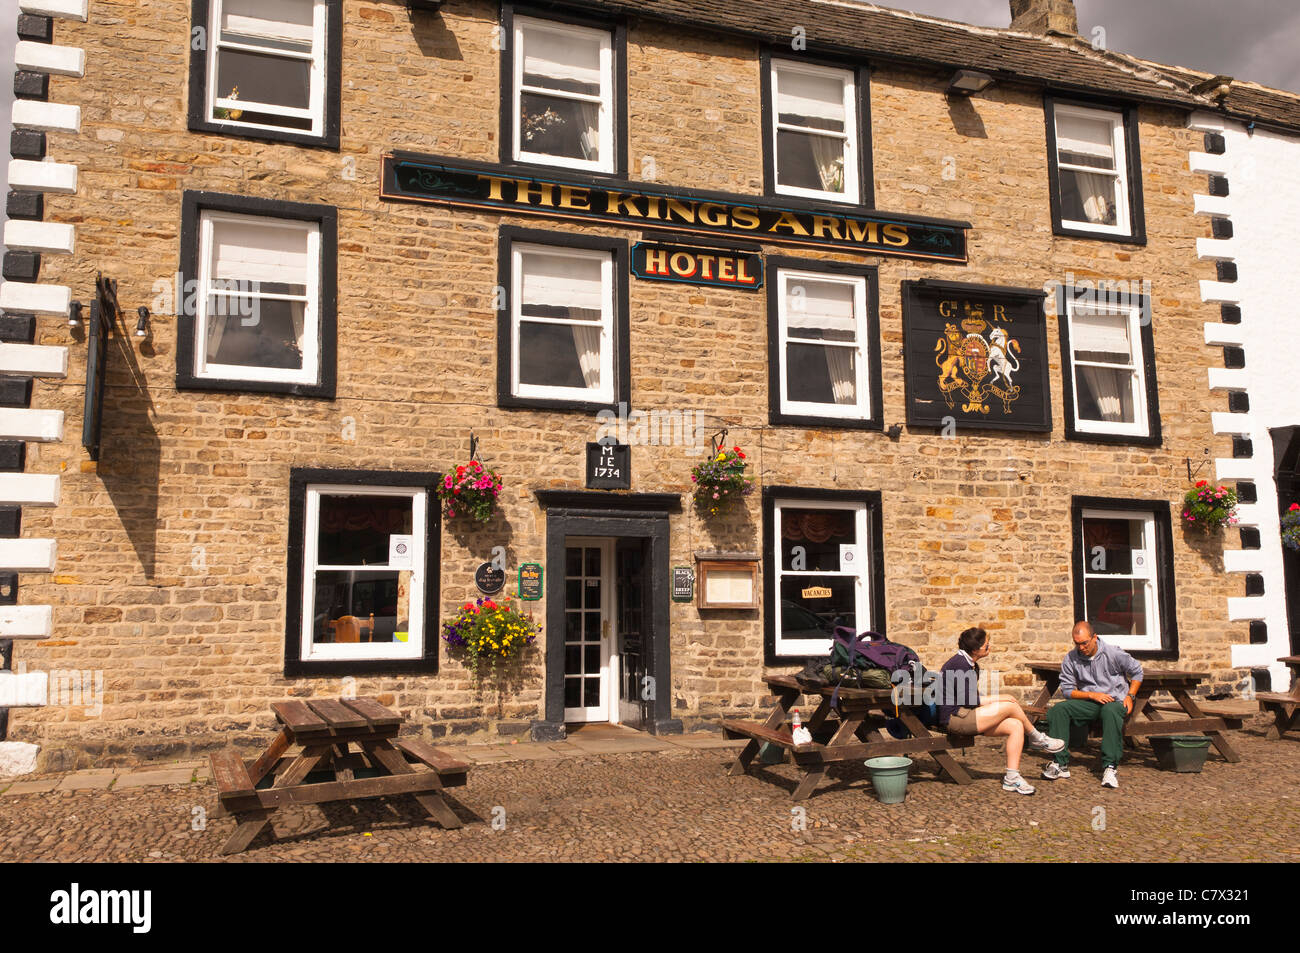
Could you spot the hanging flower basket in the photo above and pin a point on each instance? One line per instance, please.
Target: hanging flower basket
(1209, 507)
(720, 483)
(1291, 528)
(469, 493)
(488, 636)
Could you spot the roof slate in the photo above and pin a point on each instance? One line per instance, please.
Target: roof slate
(1059, 62)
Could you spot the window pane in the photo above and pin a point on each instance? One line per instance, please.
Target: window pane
(562, 281)
(559, 127)
(814, 616)
(284, 22)
(255, 332)
(821, 375)
(1100, 336)
(815, 102)
(1118, 606)
(819, 534)
(354, 530)
(1088, 197)
(262, 78)
(1084, 140)
(1106, 394)
(252, 250)
(559, 355)
(810, 303)
(565, 61)
(809, 161)
(346, 600)
(1110, 546)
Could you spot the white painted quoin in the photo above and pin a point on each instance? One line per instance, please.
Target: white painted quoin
(25, 689)
(1263, 205)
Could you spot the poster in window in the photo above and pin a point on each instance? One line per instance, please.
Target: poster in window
(975, 357)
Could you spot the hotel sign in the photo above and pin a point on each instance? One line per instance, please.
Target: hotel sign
(429, 179)
(698, 266)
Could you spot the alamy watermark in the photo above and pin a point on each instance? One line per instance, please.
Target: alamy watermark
(654, 428)
(64, 688)
(1112, 294)
(231, 298)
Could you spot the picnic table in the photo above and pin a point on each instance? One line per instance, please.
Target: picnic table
(325, 728)
(1285, 706)
(841, 719)
(1151, 718)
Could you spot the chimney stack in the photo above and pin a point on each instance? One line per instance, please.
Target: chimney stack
(1044, 16)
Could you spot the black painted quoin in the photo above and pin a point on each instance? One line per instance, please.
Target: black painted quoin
(975, 357)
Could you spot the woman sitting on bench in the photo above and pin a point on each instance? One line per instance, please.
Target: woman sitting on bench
(962, 712)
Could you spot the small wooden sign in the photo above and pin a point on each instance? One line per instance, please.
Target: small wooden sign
(816, 592)
(609, 466)
(698, 266)
(683, 584)
(489, 581)
(530, 582)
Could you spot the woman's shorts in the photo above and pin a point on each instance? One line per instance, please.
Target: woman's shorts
(962, 722)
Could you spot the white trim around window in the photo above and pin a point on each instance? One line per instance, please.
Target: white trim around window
(243, 279)
(828, 311)
(1099, 171)
(571, 290)
(861, 574)
(264, 36)
(1115, 611)
(1113, 377)
(567, 76)
(795, 93)
(413, 612)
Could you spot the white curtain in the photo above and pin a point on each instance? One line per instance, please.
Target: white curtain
(565, 58)
(1112, 388)
(1097, 193)
(278, 20)
(216, 329)
(828, 153)
(828, 305)
(590, 136)
(801, 95)
(586, 340)
(839, 362)
(262, 252)
(561, 281)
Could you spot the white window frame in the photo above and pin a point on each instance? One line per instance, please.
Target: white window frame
(852, 193)
(310, 344)
(802, 648)
(413, 647)
(315, 112)
(861, 409)
(1154, 639)
(603, 393)
(1123, 213)
(606, 98)
(1141, 426)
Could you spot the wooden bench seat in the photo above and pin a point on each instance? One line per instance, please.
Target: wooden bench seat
(1233, 719)
(757, 731)
(231, 775)
(451, 770)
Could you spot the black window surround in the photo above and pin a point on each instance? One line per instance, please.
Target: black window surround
(1133, 169)
(1153, 438)
(199, 120)
(193, 206)
(871, 273)
(506, 237)
(618, 33)
(771, 599)
(1164, 546)
(299, 480)
(862, 93)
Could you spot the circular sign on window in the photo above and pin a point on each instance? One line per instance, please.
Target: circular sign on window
(1139, 561)
(489, 581)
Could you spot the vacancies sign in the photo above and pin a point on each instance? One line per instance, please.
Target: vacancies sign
(637, 205)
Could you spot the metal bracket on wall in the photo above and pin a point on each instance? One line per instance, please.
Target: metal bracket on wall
(1192, 474)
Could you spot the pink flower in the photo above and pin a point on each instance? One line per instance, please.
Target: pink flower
(715, 496)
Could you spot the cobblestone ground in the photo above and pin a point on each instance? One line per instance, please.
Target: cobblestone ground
(678, 804)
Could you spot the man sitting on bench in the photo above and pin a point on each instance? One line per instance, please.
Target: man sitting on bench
(1098, 681)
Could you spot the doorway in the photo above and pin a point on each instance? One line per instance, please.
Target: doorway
(1286, 448)
(604, 631)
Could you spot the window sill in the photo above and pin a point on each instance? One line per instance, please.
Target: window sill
(781, 419)
(513, 402)
(187, 382)
(1065, 231)
(1131, 440)
(296, 668)
(329, 140)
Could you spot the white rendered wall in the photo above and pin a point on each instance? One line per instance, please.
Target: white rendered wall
(1263, 204)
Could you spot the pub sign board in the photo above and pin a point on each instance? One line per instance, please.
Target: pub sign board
(530, 582)
(609, 466)
(698, 266)
(975, 356)
(683, 584)
(434, 180)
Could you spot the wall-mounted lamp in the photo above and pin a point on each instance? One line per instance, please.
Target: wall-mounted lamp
(895, 431)
(968, 82)
(74, 314)
(142, 326)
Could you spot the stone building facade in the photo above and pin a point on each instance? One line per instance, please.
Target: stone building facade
(425, 192)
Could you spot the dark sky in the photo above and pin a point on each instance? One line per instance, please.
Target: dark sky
(1256, 40)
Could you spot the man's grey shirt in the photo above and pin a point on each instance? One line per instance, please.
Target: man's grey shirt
(1109, 671)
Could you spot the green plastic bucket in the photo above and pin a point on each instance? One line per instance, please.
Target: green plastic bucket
(1183, 753)
(889, 778)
